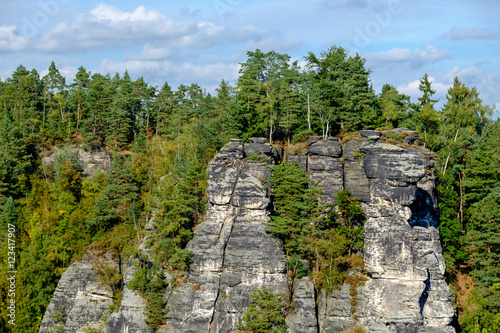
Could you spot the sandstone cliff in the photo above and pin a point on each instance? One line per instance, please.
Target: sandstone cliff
(233, 254)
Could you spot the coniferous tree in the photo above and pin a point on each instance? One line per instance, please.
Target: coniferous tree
(395, 106)
(78, 96)
(342, 83)
(113, 207)
(15, 160)
(427, 116)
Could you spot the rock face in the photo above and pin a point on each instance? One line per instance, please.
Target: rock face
(232, 253)
(91, 161)
(325, 167)
(82, 302)
(402, 251)
(302, 318)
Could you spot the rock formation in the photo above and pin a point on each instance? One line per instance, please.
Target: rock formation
(233, 255)
(83, 302)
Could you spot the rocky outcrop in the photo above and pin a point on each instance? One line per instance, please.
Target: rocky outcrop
(83, 300)
(402, 246)
(130, 317)
(232, 253)
(91, 161)
(302, 318)
(405, 291)
(80, 300)
(324, 166)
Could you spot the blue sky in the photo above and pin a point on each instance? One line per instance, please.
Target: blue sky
(204, 41)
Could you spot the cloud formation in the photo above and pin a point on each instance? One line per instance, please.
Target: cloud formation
(160, 71)
(108, 27)
(475, 33)
(415, 58)
(10, 40)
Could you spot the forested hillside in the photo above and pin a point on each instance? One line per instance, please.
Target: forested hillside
(161, 140)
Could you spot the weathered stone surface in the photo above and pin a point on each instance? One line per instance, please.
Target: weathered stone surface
(302, 318)
(91, 161)
(130, 317)
(355, 179)
(300, 157)
(257, 140)
(330, 147)
(325, 167)
(334, 310)
(223, 172)
(257, 149)
(80, 300)
(372, 135)
(232, 253)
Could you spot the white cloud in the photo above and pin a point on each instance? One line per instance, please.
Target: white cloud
(156, 72)
(474, 33)
(415, 58)
(10, 40)
(108, 27)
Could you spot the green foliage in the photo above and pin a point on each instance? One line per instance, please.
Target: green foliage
(113, 206)
(296, 267)
(341, 87)
(266, 313)
(349, 220)
(150, 281)
(479, 317)
(294, 206)
(307, 231)
(164, 138)
(395, 107)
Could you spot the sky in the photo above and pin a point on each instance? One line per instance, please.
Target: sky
(194, 41)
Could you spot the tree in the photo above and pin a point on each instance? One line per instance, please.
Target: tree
(14, 159)
(463, 117)
(164, 108)
(266, 313)
(113, 206)
(342, 84)
(427, 117)
(120, 119)
(54, 102)
(78, 95)
(395, 106)
(290, 221)
(250, 90)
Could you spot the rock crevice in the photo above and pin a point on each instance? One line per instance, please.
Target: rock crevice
(233, 255)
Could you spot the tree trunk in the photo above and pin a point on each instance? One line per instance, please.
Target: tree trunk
(308, 113)
(448, 158)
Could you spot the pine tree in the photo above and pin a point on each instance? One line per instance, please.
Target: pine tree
(395, 106)
(121, 113)
(266, 313)
(342, 83)
(427, 116)
(14, 158)
(78, 96)
(113, 207)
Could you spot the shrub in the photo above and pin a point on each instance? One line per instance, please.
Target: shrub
(266, 313)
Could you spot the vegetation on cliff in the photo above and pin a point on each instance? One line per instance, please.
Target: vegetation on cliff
(162, 139)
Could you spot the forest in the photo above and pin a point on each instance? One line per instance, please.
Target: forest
(161, 140)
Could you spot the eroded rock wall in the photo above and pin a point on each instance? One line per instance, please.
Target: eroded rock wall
(232, 253)
(405, 291)
(82, 302)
